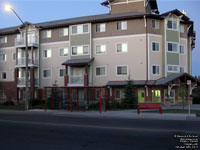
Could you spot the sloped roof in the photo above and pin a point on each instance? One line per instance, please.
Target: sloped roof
(78, 61)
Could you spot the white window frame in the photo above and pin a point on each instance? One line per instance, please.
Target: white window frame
(62, 31)
(59, 72)
(182, 28)
(5, 57)
(5, 39)
(121, 94)
(43, 53)
(122, 66)
(157, 24)
(178, 68)
(63, 49)
(183, 48)
(122, 29)
(80, 26)
(43, 73)
(77, 49)
(46, 34)
(6, 75)
(101, 28)
(121, 44)
(101, 67)
(158, 46)
(172, 24)
(15, 56)
(183, 69)
(100, 47)
(178, 47)
(152, 69)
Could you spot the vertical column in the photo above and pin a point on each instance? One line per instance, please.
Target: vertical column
(86, 76)
(32, 58)
(32, 82)
(16, 56)
(16, 73)
(66, 76)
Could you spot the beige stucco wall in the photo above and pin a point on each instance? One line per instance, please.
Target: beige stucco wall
(54, 63)
(135, 58)
(155, 58)
(9, 65)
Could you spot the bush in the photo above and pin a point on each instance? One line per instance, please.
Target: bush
(9, 103)
(35, 102)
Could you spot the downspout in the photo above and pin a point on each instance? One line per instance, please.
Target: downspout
(147, 59)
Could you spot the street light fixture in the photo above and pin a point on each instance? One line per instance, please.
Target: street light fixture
(9, 8)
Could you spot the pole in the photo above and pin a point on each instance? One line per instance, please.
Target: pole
(100, 100)
(52, 99)
(77, 93)
(71, 98)
(105, 100)
(27, 90)
(45, 95)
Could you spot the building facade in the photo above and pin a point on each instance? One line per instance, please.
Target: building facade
(133, 39)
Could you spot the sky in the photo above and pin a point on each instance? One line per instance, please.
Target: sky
(36, 11)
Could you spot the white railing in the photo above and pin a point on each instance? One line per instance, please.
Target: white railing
(22, 61)
(22, 41)
(22, 81)
(76, 79)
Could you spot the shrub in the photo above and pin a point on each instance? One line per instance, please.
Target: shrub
(9, 103)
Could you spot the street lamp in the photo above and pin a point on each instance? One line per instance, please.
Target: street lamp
(9, 8)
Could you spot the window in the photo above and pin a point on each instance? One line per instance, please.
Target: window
(3, 57)
(155, 69)
(62, 72)
(100, 49)
(98, 93)
(182, 49)
(3, 39)
(122, 48)
(80, 50)
(3, 95)
(47, 34)
(63, 51)
(156, 96)
(3, 75)
(100, 27)
(14, 56)
(182, 28)
(141, 98)
(122, 70)
(63, 32)
(80, 29)
(155, 24)
(172, 47)
(122, 25)
(119, 93)
(46, 73)
(100, 71)
(182, 69)
(155, 47)
(47, 53)
(172, 25)
(172, 68)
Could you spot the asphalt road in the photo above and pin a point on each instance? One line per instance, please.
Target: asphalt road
(25, 131)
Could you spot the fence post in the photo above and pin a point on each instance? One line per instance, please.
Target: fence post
(52, 94)
(45, 95)
(77, 99)
(71, 98)
(105, 99)
(100, 100)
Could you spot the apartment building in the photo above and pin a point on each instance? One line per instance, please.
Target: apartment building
(133, 39)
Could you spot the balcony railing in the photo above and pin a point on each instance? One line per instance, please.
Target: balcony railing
(22, 81)
(76, 79)
(22, 61)
(22, 42)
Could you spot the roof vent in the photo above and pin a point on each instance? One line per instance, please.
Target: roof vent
(184, 12)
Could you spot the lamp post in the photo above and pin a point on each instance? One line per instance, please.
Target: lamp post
(9, 8)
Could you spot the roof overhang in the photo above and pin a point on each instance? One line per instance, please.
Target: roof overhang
(76, 62)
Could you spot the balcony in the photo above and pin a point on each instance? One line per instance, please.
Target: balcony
(21, 62)
(22, 42)
(76, 80)
(22, 82)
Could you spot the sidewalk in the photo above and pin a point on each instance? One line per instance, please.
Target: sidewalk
(126, 114)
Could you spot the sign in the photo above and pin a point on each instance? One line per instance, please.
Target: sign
(189, 82)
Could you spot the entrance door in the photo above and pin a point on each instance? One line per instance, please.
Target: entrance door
(141, 98)
(172, 96)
